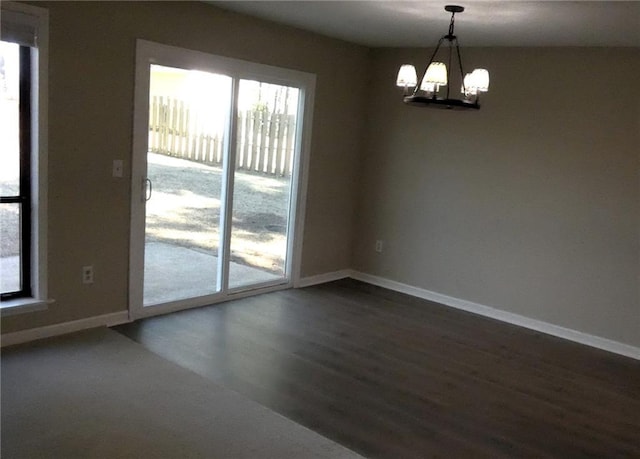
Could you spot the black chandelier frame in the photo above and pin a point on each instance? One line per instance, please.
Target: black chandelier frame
(447, 102)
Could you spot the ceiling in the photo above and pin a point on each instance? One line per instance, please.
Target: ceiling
(389, 23)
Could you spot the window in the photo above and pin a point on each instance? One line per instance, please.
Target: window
(15, 178)
(23, 52)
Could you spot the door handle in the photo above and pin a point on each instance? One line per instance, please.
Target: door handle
(147, 189)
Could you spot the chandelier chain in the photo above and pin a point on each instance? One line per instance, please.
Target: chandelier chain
(451, 24)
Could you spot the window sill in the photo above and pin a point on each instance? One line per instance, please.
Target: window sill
(23, 305)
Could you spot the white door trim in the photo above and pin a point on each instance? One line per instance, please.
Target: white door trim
(154, 53)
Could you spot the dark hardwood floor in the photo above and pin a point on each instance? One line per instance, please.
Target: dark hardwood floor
(392, 376)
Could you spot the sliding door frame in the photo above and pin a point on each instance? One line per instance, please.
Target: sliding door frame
(148, 53)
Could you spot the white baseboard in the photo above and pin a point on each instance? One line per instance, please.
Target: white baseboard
(323, 278)
(504, 316)
(121, 317)
(32, 334)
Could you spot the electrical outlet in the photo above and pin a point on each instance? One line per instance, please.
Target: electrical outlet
(87, 274)
(379, 246)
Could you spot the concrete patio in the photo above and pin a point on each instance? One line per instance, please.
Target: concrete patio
(173, 273)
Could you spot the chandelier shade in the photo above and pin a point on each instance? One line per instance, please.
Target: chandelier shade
(475, 82)
(437, 75)
(407, 76)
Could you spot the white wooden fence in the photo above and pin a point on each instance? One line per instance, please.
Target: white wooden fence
(265, 140)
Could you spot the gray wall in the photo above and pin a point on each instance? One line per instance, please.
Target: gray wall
(531, 205)
(91, 75)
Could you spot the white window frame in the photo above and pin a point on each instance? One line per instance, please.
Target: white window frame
(37, 20)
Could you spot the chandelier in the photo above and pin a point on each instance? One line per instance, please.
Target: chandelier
(437, 75)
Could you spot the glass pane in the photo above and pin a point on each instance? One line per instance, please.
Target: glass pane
(187, 120)
(262, 185)
(10, 248)
(9, 119)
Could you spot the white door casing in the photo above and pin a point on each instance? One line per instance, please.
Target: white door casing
(148, 53)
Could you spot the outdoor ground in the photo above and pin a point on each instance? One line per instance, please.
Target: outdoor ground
(184, 210)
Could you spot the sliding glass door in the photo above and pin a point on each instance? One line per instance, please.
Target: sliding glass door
(188, 118)
(216, 173)
(265, 153)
